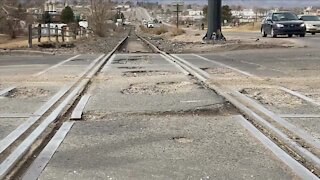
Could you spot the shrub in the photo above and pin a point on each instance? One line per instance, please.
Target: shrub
(160, 30)
(177, 32)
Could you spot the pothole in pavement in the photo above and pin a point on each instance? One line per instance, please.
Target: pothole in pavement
(159, 88)
(221, 71)
(146, 73)
(133, 60)
(27, 92)
(182, 140)
(273, 97)
(76, 60)
(128, 67)
(224, 109)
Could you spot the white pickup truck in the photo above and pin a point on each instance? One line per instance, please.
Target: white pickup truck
(150, 25)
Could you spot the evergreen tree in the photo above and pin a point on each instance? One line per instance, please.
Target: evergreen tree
(67, 15)
(46, 18)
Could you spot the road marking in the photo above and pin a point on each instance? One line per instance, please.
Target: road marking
(299, 115)
(7, 90)
(193, 101)
(301, 96)
(78, 111)
(59, 64)
(14, 115)
(24, 66)
(224, 65)
(36, 168)
(296, 167)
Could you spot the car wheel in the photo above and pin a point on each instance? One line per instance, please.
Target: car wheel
(264, 34)
(302, 35)
(290, 35)
(273, 34)
(313, 33)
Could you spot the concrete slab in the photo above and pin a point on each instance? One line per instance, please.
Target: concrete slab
(7, 125)
(163, 147)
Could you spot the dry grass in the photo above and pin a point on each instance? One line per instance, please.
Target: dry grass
(156, 31)
(7, 43)
(22, 42)
(161, 30)
(250, 27)
(177, 32)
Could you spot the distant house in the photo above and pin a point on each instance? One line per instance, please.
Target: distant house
(195, 13)
(123, 6)
(312, 11)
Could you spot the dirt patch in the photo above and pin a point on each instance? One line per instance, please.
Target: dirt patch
(27, 92)
(134, 60)
(146, 73)
(221, 71)
(273, 97)
(159, 88)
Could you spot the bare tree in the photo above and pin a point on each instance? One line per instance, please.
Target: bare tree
(100, 13)
(9, 20)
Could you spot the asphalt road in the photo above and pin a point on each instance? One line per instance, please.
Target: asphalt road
(311, 41)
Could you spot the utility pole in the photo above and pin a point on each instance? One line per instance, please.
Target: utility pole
(214, 21)
(177, 10)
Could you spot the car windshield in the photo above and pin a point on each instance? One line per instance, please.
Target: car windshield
(284, 17)
(310, 18)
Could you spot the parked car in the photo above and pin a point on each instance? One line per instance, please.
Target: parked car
(312, 23)
(283, 23)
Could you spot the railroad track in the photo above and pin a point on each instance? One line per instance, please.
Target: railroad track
(19, 148)
(18, 151)
(298, 144)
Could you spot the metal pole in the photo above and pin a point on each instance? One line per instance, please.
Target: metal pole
(177, 16)
(62, 33)
(39, 32)
(30, 36)
(49, 33)
(57, 33)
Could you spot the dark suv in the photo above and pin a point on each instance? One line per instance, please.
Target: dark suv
(282, 23)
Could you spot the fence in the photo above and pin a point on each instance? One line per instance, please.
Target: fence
(66, 33)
